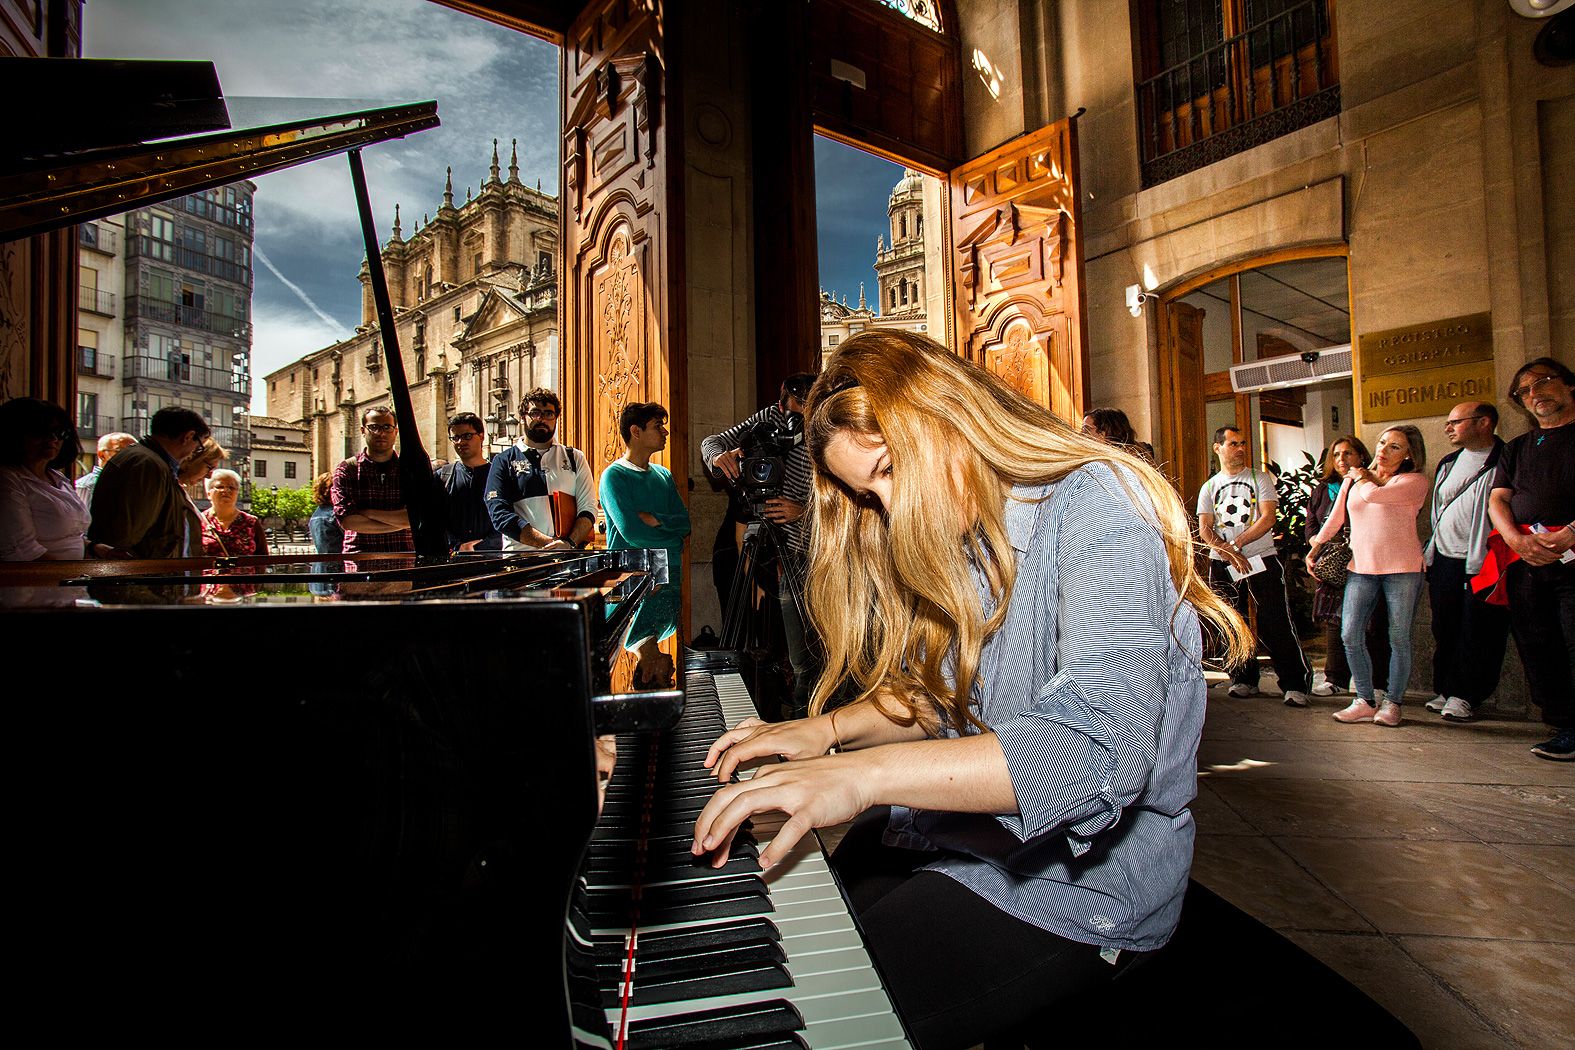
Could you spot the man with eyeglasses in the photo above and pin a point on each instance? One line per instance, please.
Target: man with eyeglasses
(463, 483)
(1468, 634)
(537, 481)
(1533, 507)
(139, 509)
(366, 493)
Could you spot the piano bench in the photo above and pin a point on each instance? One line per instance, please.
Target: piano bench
(1223, 974)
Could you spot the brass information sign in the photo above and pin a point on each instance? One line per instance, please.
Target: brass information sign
(1418, 346)
(1425, 369)
(1430, 392)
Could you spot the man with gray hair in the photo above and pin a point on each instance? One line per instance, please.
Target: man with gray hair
(1468, 634)
(108, 445)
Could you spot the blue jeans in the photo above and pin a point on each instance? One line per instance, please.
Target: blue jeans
(1400, 591)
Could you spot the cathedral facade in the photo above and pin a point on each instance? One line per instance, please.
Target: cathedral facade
(475, 296)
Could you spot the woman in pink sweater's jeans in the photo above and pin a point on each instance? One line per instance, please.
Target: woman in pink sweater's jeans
(1386, 561)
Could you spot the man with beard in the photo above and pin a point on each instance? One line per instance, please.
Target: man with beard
(526, 480)
(1533, 507)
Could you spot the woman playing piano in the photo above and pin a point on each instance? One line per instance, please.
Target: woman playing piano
(1015, 611)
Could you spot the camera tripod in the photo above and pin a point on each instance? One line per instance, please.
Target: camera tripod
(748, 625)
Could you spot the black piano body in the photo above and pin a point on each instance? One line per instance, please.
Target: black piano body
(289, 803)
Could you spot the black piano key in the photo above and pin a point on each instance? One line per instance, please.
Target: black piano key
(651, 986)
(660, 905)
(746, 931)
(724, 1029)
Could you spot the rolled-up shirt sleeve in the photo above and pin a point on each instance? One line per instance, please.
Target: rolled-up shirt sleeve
(1086, 744)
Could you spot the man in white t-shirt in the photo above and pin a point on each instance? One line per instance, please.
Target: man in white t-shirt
(1236, 510)
(1469, 635)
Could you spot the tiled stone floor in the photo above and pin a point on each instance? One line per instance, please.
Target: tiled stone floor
(1431, 864)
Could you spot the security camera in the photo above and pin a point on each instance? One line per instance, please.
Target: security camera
(1136, 297)
(1310, 357)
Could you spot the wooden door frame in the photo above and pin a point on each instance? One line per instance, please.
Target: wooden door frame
(1173, 400)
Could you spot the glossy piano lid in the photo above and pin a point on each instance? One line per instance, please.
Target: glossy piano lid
(611, 583)
(51, 190)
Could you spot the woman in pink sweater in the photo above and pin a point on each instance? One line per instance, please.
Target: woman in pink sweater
(1386, 560)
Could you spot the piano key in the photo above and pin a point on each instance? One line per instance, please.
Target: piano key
(835, 986)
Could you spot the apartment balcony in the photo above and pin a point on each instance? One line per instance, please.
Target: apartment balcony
(91, 428)
(96, 301)
(1275, 77)
(176, 369)
(141, 306)
(238, 440)
(91, 362)
(99, 238)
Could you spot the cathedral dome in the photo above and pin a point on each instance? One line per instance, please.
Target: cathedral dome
(910, 186)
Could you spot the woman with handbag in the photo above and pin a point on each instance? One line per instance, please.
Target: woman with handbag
(1330, 572)
(1386, 565)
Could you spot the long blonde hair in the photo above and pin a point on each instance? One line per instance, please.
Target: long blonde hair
(891, 594)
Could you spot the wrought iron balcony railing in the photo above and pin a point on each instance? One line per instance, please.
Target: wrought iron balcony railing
(1274, 77)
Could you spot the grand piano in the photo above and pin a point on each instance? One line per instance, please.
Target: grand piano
(393, 798)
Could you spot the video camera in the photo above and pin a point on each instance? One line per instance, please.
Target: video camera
(763, 467)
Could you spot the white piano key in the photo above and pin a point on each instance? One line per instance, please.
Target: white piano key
(835, 986)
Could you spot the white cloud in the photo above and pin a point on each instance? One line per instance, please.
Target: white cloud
(280, 336)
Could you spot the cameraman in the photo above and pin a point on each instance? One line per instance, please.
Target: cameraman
(722, 453)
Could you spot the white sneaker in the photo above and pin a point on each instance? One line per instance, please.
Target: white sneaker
(1437, 704)
(1324, 689)
(1295, 698)
(1458, 710)
(1242, 690)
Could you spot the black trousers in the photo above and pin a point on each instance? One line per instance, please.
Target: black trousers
(959, 969)
(1274, 623)
(1468, 635)
(1542, 617)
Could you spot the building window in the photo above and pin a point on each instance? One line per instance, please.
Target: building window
(289, 470)
(1216, 77)
(835, 339)
(259, 468)
(160, 241)
(456, 315)
(544, 261)
(87, 413)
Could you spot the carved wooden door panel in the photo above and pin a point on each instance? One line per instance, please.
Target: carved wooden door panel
(1188, 452)
(1017, 267)
(617, 333)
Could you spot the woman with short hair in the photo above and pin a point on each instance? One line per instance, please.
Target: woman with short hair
(228, 531)
(1015, 614)
(1383, 501)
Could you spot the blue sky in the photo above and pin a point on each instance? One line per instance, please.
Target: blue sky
(489, 82)
(851, 193)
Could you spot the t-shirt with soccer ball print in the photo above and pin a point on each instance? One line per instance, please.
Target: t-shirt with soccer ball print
(1236, 500)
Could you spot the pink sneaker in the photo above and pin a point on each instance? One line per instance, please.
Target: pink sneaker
(1388, 714)
(1359, 711)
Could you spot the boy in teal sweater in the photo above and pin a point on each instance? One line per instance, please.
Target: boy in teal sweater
(644, 510)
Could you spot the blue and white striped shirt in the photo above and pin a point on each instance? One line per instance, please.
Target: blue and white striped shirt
(1094, 687)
